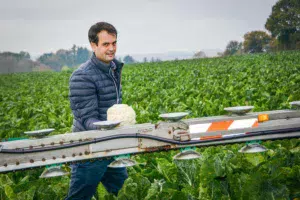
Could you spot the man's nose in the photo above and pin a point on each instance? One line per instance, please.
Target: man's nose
(111, 47)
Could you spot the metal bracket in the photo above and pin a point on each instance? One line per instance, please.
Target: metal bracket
(181, 135)
(169, 130)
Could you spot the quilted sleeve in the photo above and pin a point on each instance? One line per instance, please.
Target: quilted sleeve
(83, 99)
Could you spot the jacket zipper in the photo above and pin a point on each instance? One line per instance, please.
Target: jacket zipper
(115, 85)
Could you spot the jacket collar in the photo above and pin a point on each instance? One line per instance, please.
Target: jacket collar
(104, 67)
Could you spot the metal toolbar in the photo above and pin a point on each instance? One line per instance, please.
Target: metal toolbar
(143, 138)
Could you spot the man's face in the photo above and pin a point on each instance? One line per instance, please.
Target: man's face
(106, 48)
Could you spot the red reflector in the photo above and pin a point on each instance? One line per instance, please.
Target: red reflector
(210, 137)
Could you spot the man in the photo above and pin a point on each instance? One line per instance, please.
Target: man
(94, 87)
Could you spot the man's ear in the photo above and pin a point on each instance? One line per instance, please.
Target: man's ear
(93, 46)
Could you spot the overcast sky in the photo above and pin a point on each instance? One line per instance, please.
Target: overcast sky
(144, 26)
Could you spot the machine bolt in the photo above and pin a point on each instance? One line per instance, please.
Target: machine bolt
(73, 154)
(43, 159)
(42, 145)
(61, 142)
(63, 156)
(71, 141)
(52, 143)
(17, 163)
(54, 157)
(31, 161)
(80, 154)
(5, 165)
(86, 153)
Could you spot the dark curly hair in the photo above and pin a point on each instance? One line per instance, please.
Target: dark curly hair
(98, 27)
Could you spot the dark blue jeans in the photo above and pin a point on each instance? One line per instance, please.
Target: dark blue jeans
(86, 177)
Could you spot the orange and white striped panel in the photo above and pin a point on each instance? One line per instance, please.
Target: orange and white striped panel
(223, 125)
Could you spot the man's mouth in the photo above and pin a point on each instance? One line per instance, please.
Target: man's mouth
(110, 54)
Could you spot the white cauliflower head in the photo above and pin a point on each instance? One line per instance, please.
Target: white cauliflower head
(121, 112)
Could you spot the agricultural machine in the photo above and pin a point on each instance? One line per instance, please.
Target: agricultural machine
(173, 132)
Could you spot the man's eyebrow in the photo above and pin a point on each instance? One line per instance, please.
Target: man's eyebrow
(108, 42)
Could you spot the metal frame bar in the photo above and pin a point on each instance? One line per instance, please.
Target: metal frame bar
(11, 162)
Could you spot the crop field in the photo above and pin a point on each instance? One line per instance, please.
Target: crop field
(204, 87)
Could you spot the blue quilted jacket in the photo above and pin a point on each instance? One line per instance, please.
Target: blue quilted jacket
(94, 88)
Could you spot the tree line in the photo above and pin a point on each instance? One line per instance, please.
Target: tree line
(16, 62)
(21, 62)
(70, 58)
(283, 25)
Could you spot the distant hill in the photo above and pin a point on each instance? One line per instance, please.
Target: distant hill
(17, 62)
(212, 52)
(172, 55)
